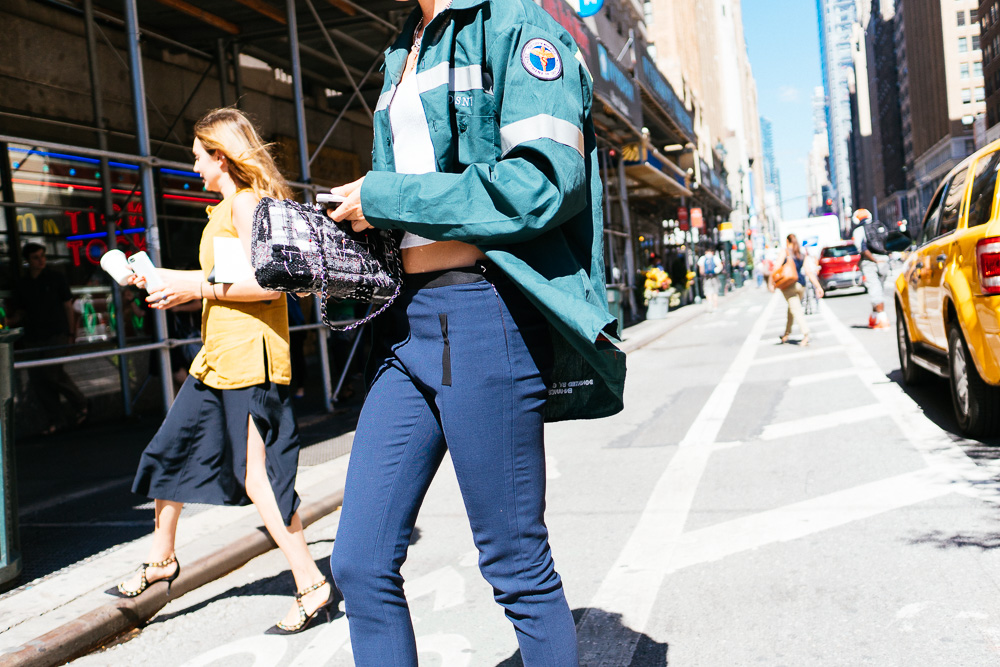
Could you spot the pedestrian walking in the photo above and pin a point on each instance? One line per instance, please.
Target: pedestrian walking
(708, 268)
(489, 172)
(43, 303)
(794, 291)
(230, 436)
(874, 267)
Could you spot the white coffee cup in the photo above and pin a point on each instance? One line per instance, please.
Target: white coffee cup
(116, 264)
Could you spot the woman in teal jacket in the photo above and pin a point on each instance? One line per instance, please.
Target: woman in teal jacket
(485, 162)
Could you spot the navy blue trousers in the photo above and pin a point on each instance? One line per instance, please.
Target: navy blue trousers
(457, 368)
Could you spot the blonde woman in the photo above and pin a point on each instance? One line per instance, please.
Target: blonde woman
(230, 436)
(795, 292)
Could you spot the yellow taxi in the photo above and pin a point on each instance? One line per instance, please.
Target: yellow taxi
(948, 294)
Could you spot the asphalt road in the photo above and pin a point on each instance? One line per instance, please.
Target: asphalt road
(755, 504)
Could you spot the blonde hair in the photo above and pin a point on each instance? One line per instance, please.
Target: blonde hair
(229, 132)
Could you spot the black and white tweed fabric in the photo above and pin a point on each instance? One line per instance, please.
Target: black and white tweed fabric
(298, 248)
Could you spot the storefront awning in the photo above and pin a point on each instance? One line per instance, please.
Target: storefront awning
(655, 182)
(655, 174)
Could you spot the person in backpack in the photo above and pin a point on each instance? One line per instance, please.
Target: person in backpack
(708, 269)
(874, 265)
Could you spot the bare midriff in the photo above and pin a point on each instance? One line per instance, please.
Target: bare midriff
(440, 256)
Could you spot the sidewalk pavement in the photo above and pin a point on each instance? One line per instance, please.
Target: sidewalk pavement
(72, 613)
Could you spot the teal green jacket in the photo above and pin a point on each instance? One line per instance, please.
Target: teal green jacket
(507, 98)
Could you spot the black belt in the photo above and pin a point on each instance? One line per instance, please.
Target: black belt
(481, 270)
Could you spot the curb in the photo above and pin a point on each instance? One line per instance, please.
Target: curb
(93, 629)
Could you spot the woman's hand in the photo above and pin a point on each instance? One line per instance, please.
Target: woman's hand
(179, 287)
(350, 210)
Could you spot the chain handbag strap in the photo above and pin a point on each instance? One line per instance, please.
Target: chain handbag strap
(396, 268)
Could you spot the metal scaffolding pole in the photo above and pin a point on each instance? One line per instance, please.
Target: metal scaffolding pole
(237, 74)
(306, 177)
(109, 212)
(10, 213)
(220, 63)
(629, 248)
(146, 179)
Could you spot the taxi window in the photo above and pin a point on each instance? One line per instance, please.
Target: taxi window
(984, 184)
(929, 230)
(952, 204)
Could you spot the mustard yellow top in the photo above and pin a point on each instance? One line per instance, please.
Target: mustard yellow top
(239, 336)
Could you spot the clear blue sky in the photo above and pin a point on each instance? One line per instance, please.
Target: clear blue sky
(783, 41)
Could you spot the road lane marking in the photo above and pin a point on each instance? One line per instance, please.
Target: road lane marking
(719, 446)
(552, 468)
(814, 378)
(334, 635)
(939, 450)
(634, 581)
(799, 356)
(792, 522)
(770, 340)
(822, 422)
(266, 651)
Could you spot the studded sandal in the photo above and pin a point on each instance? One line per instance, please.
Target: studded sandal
(280, 628)
(145, 583)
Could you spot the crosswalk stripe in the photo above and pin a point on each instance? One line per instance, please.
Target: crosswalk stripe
(822, 422)
(811, 516)
(814, 378)
(799, 355)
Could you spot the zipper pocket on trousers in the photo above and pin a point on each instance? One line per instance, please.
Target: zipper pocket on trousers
(446, 352)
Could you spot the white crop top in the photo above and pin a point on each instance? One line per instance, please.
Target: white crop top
(411, 140)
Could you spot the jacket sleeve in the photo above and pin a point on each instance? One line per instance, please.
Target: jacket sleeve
(539, 179)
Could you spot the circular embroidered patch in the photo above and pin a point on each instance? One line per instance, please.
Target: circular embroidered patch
(541, 59)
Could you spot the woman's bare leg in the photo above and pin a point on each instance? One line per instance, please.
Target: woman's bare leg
(290, 539)
(162, 547)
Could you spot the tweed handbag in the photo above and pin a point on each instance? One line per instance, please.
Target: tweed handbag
(298, 248)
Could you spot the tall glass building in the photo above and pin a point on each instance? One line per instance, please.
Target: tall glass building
(836, 19)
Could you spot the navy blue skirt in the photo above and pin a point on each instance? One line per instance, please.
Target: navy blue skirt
(199, 455)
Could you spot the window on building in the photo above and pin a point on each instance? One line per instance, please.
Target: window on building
(975, 42)
(961, 18)
(963, 70)
(980, 94)
(977, 69)
(963, 44)
(966, 96)
(973, 15)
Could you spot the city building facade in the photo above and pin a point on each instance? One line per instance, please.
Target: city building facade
(941, 90)
(836, 26)
(819, 190)
(988, 14)
(772, 175)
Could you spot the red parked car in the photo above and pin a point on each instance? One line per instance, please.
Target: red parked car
(839, 267)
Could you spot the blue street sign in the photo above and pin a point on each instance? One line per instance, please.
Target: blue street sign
(590, 7)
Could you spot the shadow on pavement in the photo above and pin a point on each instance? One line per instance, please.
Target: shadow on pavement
(984, 541)
(281, 584)
(934, 398)
(648, 652)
